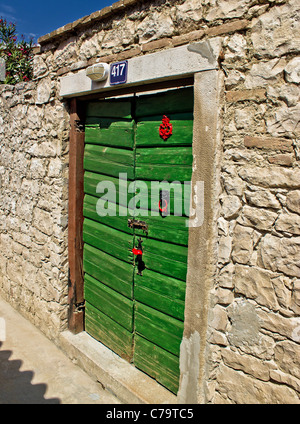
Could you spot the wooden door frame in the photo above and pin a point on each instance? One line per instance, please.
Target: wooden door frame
(75, 217)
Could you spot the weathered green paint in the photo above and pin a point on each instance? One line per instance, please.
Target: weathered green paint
(165, 258)
(140, 317)
(109, 109)
(148, 133)
(159, 328)
(108, 132)
(108, 160)
(172, 101)
(108, 270)
(109, 240)
(108, 331)
(157, 362)
(111, 303)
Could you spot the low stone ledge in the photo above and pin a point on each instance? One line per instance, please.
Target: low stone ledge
(228, 27)
(128, 383)
(86, 20)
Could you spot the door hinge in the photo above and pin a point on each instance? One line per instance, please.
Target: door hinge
(79, 307)
(79, 126)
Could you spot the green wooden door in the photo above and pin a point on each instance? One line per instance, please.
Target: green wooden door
(135, 305)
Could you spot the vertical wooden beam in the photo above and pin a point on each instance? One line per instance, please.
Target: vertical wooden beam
(75, 221)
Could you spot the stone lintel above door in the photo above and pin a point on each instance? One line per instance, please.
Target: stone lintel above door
(167, 64)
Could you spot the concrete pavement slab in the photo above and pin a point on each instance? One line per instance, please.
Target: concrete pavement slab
(33, 370)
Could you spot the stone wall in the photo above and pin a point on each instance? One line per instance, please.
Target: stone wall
(254, 326)
(253, 337)
(33, 203)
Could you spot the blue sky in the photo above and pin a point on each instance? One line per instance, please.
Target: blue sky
(36, 18)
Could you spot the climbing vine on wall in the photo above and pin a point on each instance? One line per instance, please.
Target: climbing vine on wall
(17, 54)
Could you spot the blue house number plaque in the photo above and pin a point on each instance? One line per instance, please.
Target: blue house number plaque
(118, 72)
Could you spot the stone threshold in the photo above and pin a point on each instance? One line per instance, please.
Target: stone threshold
(126, 382)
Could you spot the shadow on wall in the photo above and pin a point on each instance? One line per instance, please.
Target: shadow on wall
(16, 386)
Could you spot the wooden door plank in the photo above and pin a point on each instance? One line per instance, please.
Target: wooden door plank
(163, 172)
(159, 328)
(118, 218)
(162, 249)
(180, 155)
(109, 332)
(110, 133)
(158, 301)
(109, 240)
(161, 284)
(111, 303)
(108, 154)
(165, 258)
(172, 101)
(103, 267)
(109, 108)
(110, 168)
(157, 362)
(148, 133)
(166, 229)
(178, 205)
(119, 195)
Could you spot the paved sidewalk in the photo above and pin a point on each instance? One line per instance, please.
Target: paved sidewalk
(34, 371)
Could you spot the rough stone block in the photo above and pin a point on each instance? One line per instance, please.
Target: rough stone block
(242, 388)
(288, 222)
(242, 244)
(269, 143)
(293, 201)
(241, 95)
(248, 364)
(287, 357)
(262, 198)
(289, 328)
(292, 70)
(275, 33)
(261, 219)
(256, 284)
(43, 221)
(273, 177)
(280, 254)
(282, 159)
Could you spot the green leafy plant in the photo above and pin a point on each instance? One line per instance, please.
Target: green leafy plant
(18, 55)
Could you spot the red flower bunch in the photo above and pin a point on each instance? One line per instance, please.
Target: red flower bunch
(165, 128)
(18, 55)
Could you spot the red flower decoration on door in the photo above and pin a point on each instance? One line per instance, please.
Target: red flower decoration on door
(165, 128)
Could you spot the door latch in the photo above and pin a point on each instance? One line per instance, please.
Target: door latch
(138, 252)
(136, 223)
(163, 204)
